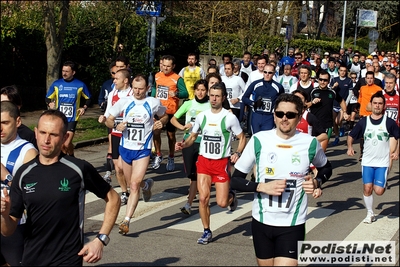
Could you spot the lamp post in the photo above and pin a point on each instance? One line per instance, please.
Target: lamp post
(343, 24)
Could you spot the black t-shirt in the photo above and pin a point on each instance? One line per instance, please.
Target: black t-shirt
(54, 198)
(25, 133)
(323, 109)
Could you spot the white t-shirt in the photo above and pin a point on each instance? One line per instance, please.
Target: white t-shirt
(139, 115)
(376, 144)
(113, 98)
(254, 76)
(287, 82)
(277, 158)
(216, 129)
(234, 88)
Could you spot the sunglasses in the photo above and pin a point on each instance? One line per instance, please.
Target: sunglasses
(388, 65)
(323, 80)
(268, 72)
(289, 115)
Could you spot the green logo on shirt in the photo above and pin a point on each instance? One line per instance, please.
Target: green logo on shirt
(64, 185)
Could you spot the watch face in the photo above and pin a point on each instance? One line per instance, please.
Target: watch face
(9, 177)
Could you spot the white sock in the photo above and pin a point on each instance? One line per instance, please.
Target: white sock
(127, 219)
(368, 203)
(187, 205)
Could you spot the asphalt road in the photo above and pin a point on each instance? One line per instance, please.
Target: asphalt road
(160, 235)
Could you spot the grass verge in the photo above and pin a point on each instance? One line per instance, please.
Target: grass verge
(87, 129)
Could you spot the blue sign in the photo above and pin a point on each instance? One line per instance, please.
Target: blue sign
(149, 8)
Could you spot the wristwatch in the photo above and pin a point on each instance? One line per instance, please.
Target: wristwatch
(238, 153)
(103, 238)
(8, 179)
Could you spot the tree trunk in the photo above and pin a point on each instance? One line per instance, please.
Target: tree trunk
(54, 34)
(321, 24)
(273, 13)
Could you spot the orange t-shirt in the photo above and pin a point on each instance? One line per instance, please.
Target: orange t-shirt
(364, 97)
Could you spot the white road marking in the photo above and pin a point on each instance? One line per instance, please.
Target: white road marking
(218, 218)
(384, 228)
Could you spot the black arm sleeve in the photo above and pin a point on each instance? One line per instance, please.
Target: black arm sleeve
(88, 102)
(239, 182)
(325, 172)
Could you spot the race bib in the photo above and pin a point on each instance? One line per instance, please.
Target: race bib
(162, 92)
(285, 201)
(67, 109)
(229, 92)
(392, 113)
(117, 121)
(212, 145)
(353, 99)
(266, 105)
(136, 132)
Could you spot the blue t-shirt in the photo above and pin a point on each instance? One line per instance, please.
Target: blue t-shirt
(67, 95)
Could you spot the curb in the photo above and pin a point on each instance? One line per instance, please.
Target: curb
(91, 142)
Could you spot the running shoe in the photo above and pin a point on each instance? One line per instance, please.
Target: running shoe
(124, 198)
(234, 203)
(336, 142)
(205, 238)
(124, 227)
(341, 131)
(370, 218)
(157, 162)
(186, 209)
(107, 177)
(147, 193)
(170, 164)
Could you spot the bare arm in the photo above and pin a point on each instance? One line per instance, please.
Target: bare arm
(110, 121)
(350, 149)
(93, 251)
(8, 223)
(30, 154)
(240, 148)
(187, 143)
(174, 121)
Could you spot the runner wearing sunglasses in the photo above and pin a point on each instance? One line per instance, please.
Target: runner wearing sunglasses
(322, 99)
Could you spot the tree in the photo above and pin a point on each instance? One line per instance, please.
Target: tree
(54, 32)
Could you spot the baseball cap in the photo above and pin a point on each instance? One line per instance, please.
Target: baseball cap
(385, 59)
(326, 54)
(373, 53)
(369, 61)
(369, 56)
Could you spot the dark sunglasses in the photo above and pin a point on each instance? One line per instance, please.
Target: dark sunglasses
(323, 80)
(289, 115)
(268, 72)
(388, 65)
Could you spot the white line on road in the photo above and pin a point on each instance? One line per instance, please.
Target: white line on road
(384, 228)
